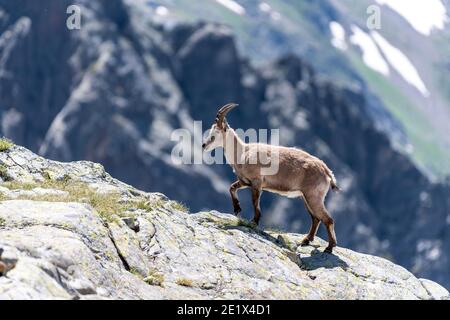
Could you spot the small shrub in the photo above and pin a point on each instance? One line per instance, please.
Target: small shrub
(107, 205)
(144, 205)
(2, 220)
(4, 173)
(178, 206)
(5, 144)
(154, 279)
(157, 204)
(184, 282)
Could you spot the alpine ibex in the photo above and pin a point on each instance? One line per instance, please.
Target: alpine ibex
(298, 174)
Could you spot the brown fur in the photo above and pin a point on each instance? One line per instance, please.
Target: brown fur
(299, 175)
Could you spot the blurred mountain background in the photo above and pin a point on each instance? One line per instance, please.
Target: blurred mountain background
(374, 104)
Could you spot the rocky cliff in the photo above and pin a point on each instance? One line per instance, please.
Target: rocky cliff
(71, 231)
(114, 91)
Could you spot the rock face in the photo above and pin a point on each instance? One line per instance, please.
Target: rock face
(114, 91)
(68, 250)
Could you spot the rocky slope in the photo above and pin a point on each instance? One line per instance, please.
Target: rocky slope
(54, 245)
(114, 91)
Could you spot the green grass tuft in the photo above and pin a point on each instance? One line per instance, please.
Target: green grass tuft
(5, 144)
(154, 278)
(184, 282)
(14, 185)
(178, 206)
(4, 173)
(145, 205)
(107, 205)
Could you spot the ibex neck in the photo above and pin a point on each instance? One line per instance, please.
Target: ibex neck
(233, 147)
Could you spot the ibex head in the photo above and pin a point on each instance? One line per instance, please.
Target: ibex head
(216, 133)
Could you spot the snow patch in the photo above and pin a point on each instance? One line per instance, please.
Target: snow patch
(162, 11)
(275, 15)
(400, 62)
(233, 6)
(338, 33)
(264, 7)
(424, 16)
(371, 55)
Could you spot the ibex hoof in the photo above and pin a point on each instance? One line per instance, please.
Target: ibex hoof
(305, 243)
(328, 250)
(237, 211)
(2, 268)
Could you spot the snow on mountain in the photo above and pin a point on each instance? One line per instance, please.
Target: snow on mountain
(376, 50)
(370, 53)
(424, 16)
(162, 11)
(338, 33)
(400, 62)
(233, 6)
(267, 9)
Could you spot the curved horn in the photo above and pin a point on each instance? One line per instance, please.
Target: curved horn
(223, 112)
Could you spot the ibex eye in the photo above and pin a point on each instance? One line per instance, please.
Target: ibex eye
(213, 138)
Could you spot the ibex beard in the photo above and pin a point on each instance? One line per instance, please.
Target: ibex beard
(289, 172)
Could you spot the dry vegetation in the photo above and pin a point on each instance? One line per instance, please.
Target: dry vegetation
(5, 144)
(154, 278)
(184, 282)
(109, 206)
